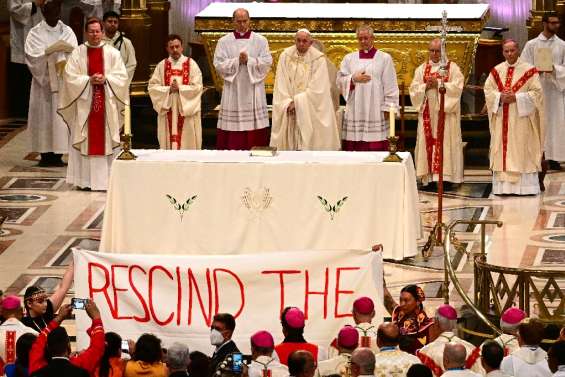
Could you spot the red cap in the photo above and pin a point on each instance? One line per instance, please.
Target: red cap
(364, 305)
(11, 303)
(447, 311)
(513, 316)
(348, 337)
(294, 318)
(262, 339)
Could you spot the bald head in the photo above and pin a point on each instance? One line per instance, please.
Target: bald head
(241, 20)
(510, 50)
(434, 50)
(301, 364)
(362, 362)
(303, 40)
(454, 356)
(388, 335)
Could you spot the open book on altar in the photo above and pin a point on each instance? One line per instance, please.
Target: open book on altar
(59, 46)
(543, 59)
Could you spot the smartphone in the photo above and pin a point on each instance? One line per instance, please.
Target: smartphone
(78, 303)
(125, 346)
(237, 363)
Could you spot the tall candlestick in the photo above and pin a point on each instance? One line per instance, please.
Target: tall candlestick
(391, 114)
(127, 120)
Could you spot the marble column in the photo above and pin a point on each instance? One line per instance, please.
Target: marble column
(136, 24)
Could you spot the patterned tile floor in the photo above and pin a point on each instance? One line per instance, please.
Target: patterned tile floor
(46, 218)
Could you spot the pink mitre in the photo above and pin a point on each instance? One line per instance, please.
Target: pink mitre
(513, 316)
(11, 302)
(364, 305)
(262, 339)
(348, 337)
(447, 311)
(295, 318)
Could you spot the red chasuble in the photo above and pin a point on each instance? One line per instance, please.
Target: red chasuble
(185, 73)
(97, 117)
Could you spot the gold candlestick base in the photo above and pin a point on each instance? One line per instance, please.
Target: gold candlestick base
(126, 153)
(392, 148)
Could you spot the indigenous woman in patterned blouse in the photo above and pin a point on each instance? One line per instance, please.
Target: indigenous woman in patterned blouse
(410, 316)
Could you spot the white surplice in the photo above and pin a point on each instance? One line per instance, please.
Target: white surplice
(75, 100)
(560, 372)
(244, 103)
(21, 22)
(452, 142)
(124, 45)
(303, 79)
(14, 326)
(363, 118)
(262, 363)
(367, 338)
(553, 85)
(526, 362)
(48, 130)
(187, 103)
(336, 365)
(392, 362)
(508, 342)
(515, 172)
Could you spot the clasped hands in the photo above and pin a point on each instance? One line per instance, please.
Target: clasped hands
(291, 109)
(507, 97)
(243, 57)
(431, 83)
(361, 77)
(97, 79)
(174, 86)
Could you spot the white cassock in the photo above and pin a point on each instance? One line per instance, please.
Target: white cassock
(460, 373)
(367, 338)
(508, 342)
(21, 22)
(427, 104)
(48, 130)
(94, 123)
(244, 103)
(516, 129)
(336, 365)
(178, 123)
(363, 118)
(124, 45)
(303, 79)
(392, 362)
(526, 362)
(560, 371)
(259, 366)
(553, 85)
(431, 354)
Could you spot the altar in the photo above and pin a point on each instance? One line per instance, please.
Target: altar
(228, 202)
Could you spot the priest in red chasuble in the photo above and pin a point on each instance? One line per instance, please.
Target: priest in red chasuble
(95, 84)
(514, 98)
(175, 90)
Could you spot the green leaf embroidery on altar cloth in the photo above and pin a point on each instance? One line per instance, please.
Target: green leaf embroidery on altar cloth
(181, 207)
(332, 209)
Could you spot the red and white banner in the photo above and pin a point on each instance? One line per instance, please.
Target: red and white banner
(176, 297)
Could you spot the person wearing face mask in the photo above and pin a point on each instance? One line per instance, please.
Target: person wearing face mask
(221, 332)
(410, 317)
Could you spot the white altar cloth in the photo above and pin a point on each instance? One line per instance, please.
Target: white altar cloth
(218, 202)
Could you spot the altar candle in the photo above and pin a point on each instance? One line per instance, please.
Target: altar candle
(391, 114)
(127, 120)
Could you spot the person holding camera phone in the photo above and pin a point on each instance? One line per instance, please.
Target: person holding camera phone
(54, 341)
(221, 332)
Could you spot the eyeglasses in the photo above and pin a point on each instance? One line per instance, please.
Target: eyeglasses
(553, 22)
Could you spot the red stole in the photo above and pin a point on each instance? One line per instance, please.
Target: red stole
(507, 86)
(438, 370)
(431, 141)
(97, 115)
(10, 350)
(185, 73)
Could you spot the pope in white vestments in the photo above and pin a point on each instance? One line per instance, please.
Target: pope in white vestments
(514, 99)
(367, 81)
(175, 90)
(47, 48)
(243, 60)
(553, 84)
(95, 82)
(303, 114)
(424, 93)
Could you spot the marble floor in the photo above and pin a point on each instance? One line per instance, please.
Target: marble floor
(46, 217)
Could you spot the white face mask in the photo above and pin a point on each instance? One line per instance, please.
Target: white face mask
(216, 337)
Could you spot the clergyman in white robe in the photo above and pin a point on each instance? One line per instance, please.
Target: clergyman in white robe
(184, 132)
(90, 158)
(367, 81)
(553, 84)
(24, 14)
(426, 99)
(303, 113)
(243, 60)
(47, 50)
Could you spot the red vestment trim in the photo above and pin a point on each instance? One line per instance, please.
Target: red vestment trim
(432, 143)
(472, 359)
(185, 73)
(242, 140)
(10, 350)
(430, 363)
(97, 115)
(370, 54)
(507, 86)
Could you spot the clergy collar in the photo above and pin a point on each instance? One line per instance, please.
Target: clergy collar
(102, 43)
(544, 38)
(367, 54)
(239, 35)
(430, 62)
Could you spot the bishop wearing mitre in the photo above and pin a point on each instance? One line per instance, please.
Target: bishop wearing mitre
(424, 93)
(303, 114)
(95, 85)
(175, 90)
(47, 48)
